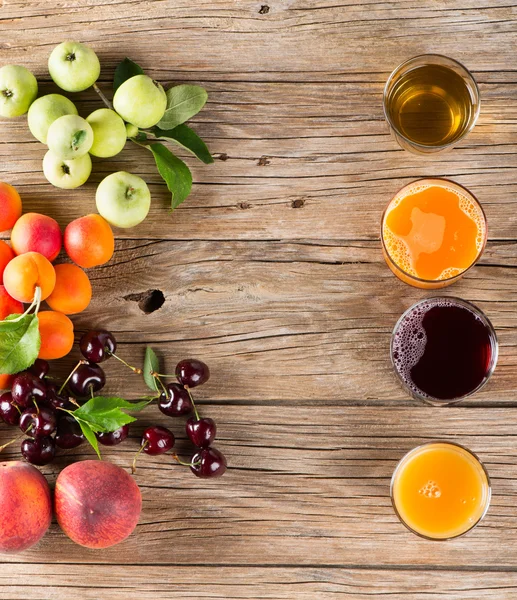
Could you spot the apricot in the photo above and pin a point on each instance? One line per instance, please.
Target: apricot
(57, 334)
(6, 255)
(25, 506)
(97, 504)
(33, 232)
(26, 272)
(6, 381)
(72, 292)
(89, 241)
(10, 206)
(8, 305)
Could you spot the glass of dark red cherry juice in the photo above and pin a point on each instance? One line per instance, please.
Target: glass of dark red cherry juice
(443, 350)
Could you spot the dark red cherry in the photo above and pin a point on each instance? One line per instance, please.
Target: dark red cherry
(38, 421)
(9, 412)
(55, 399)
(157, 440)
(192, 372)
(176, 402)
(28, 389)
(69, 434)
(40, 368)
(98, 345)
(38, 451)
(201, 432)
(211, 463)
(88, 378)
(113, 438)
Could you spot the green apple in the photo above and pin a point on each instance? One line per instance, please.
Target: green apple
(70, 137)
(131, 130)
(18, 90)
(109, 133)
(141, 101)
(45, 110)
(123, 199)
(66, 174)
(73, 66)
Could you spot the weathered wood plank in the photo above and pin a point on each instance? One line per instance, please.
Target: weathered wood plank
(234, 583)
(306, 486)
(280, 321)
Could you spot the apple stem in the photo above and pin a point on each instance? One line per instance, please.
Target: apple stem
(102, 96)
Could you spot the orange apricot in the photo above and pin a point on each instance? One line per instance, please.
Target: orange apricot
(6, 255)
(57, 334)
(72, 292)
(8, 305)
(33, 232)
(10, 206)
(26, 272)
(6, 381)
(89, 241)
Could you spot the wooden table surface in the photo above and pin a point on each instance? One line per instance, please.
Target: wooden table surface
(272, 272)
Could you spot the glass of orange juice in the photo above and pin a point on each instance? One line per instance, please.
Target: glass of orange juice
(440, 490)
(433, 231)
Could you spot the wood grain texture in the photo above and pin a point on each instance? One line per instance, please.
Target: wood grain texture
(272, 273)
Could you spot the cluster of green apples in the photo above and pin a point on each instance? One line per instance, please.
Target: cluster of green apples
(122, 199)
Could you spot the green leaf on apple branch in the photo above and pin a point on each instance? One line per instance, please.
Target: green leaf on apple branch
(151, 364)
(90, 436)
(78, 139)
(174, 172)
(183, 102)
(124, 71)
(187, 138)
(19, 343)
(107, 413)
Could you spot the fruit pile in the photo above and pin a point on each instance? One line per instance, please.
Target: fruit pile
(63, 415)
(142, 111)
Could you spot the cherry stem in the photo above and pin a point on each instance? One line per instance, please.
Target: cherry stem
(81, 362)
(4, 446)
(181, 462)
(133, 466)
(134, 369)
(102, 96)
(192, 400)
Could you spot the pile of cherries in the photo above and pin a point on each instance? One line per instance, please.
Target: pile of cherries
(37, 405)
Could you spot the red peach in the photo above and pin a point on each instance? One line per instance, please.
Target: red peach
(10, 206)
(8, 305)
(97, 503)
(6, 256)
(36, 233)
(25, 506)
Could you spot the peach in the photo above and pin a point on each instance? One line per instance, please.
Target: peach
(72, 292)
(26, 272)
(97, 503)
(8, 305)
(33, 232)
(25, 506)
(89, 241)
(57, 334)
(10, 206)
(6, 256)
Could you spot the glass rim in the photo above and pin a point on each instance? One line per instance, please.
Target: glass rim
(476, 458)
(434, 56)
(452, 278)
(493, 340)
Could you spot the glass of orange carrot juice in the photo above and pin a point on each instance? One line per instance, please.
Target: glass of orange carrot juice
(433, 231)
(440, 490)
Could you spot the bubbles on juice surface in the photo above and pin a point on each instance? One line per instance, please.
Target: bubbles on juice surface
(400, 252)
(430, 490)
(410, 339)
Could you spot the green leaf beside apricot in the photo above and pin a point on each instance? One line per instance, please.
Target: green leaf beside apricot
(19, 343)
